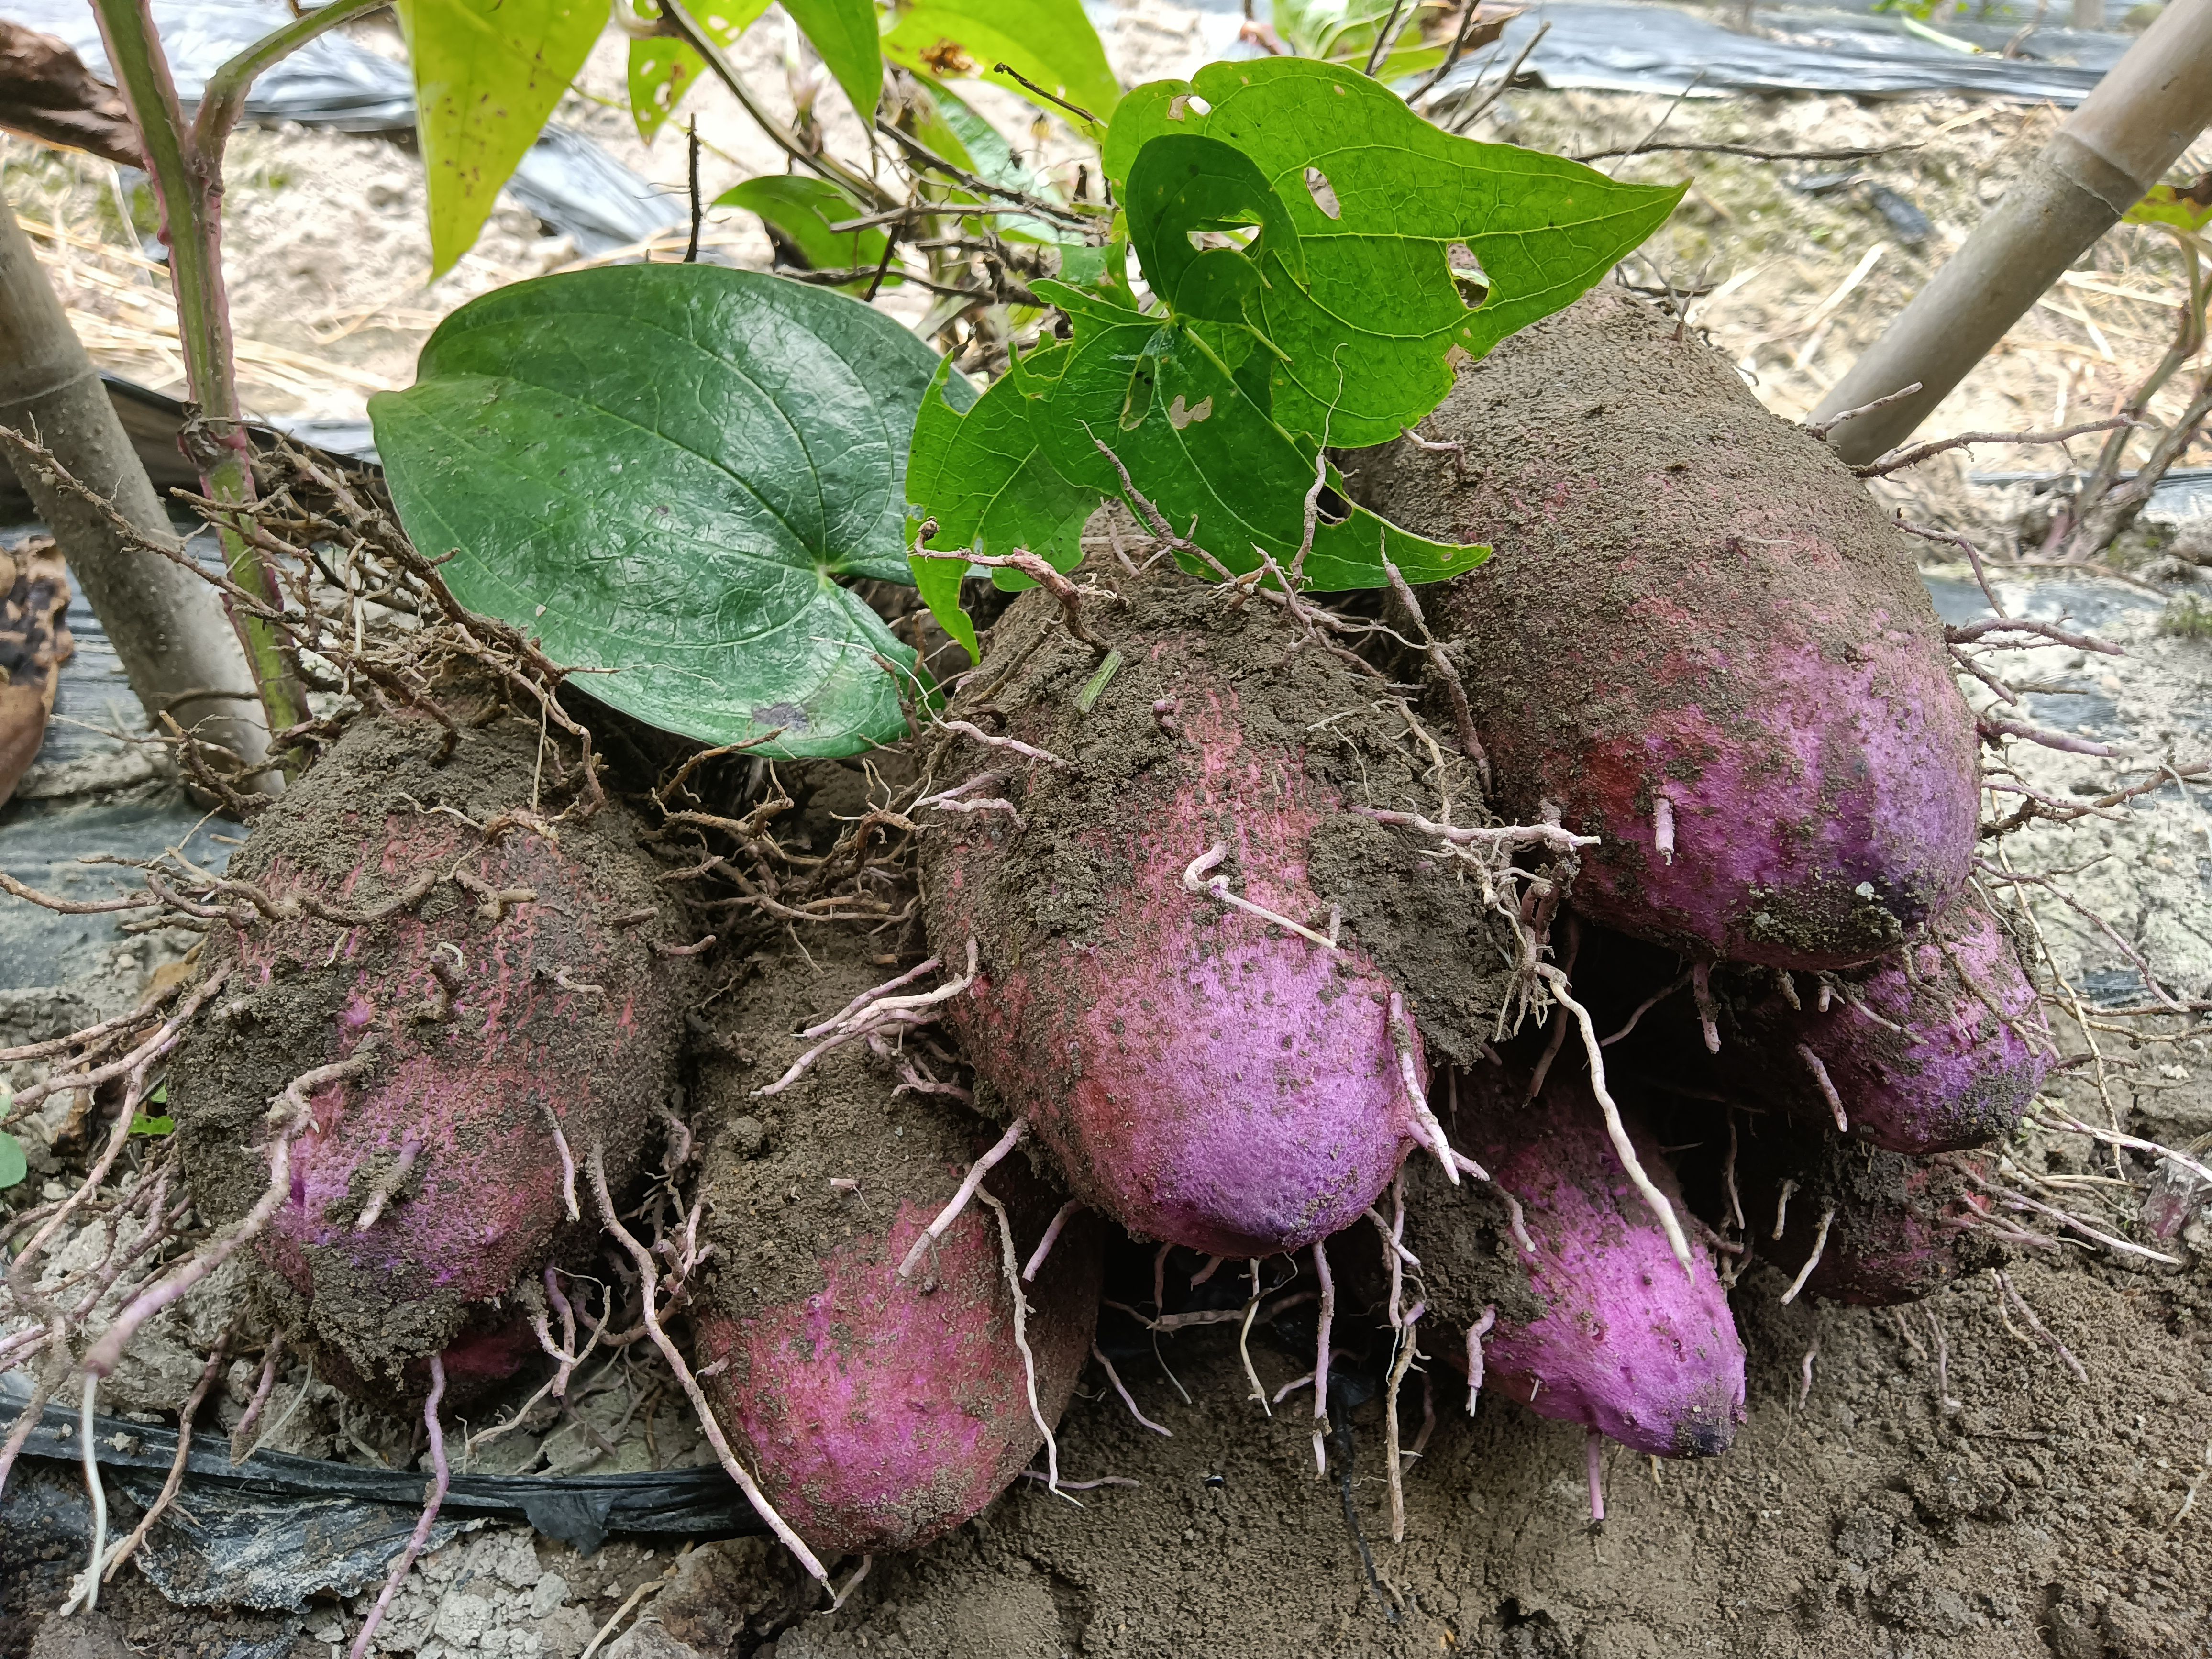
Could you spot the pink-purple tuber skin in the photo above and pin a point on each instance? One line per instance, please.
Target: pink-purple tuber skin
(1699, 641)
(492, 1018)
(879, 1413)
(1627, 1345)
(1202, 1076)
(1956, 1075)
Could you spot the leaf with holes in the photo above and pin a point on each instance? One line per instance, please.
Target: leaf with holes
(1050, 42)
(1183, 186)
(663, 471)
(662, 69)
(1167, 400)
(487, 75)
(1380, 198)
(799, 213)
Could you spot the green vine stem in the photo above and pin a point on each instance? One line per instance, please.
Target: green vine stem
(186, 164)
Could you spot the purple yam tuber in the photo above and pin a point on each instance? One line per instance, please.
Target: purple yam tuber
(877, 1412)
(497, 998)
(1700, 639)
(1203, 1074)
(1889, 1229)
(1597, 1324)
(1946, 1058)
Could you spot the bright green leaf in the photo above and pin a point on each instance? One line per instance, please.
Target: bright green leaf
(844, 33)
(487, 75)
(1380, 198)
(661, 70)
(1049, 41)
(801, 210)
(661, 470)
(14, 1166)
(143, 1125)
(2187, 209)
(982, 476)
(1183, 183)
(938, 581)
(1203, 452)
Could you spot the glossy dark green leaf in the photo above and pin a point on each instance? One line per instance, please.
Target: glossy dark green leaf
(1203, 452)
(1380, 198)
(662, 471)
(1184, 186)
(801, 210)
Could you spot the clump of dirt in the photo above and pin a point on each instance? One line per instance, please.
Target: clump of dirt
(1323, 740)
(493, 971)
(876, 1412)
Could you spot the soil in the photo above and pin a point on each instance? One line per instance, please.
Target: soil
(2036, 1516)
(461, 1048)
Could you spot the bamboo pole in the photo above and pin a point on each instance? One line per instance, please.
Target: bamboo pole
(2134, 126)
(166, 625)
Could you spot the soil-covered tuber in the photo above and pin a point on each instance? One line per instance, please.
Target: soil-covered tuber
(491, 975)
(1699, 639)
(1947, 1056)
(875, 1412)
(1596, 1321)
(1227, 1080)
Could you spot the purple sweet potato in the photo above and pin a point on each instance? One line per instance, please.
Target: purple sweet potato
(1700, 639)
(502, 1000)
(1201, 1074)
(876, 1412)
(1598, 1325)
(1897, 1228)
(1937, 1061)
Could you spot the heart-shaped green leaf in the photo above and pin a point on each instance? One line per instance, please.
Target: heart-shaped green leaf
(487, 75)
(661, 471)
(1202, 451)
(1183, 185)
(1367, 335)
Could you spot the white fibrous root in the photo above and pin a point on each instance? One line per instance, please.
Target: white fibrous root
(1623, 1147)
(967, 1190)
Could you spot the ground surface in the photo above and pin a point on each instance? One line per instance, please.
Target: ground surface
(1944, 1486)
